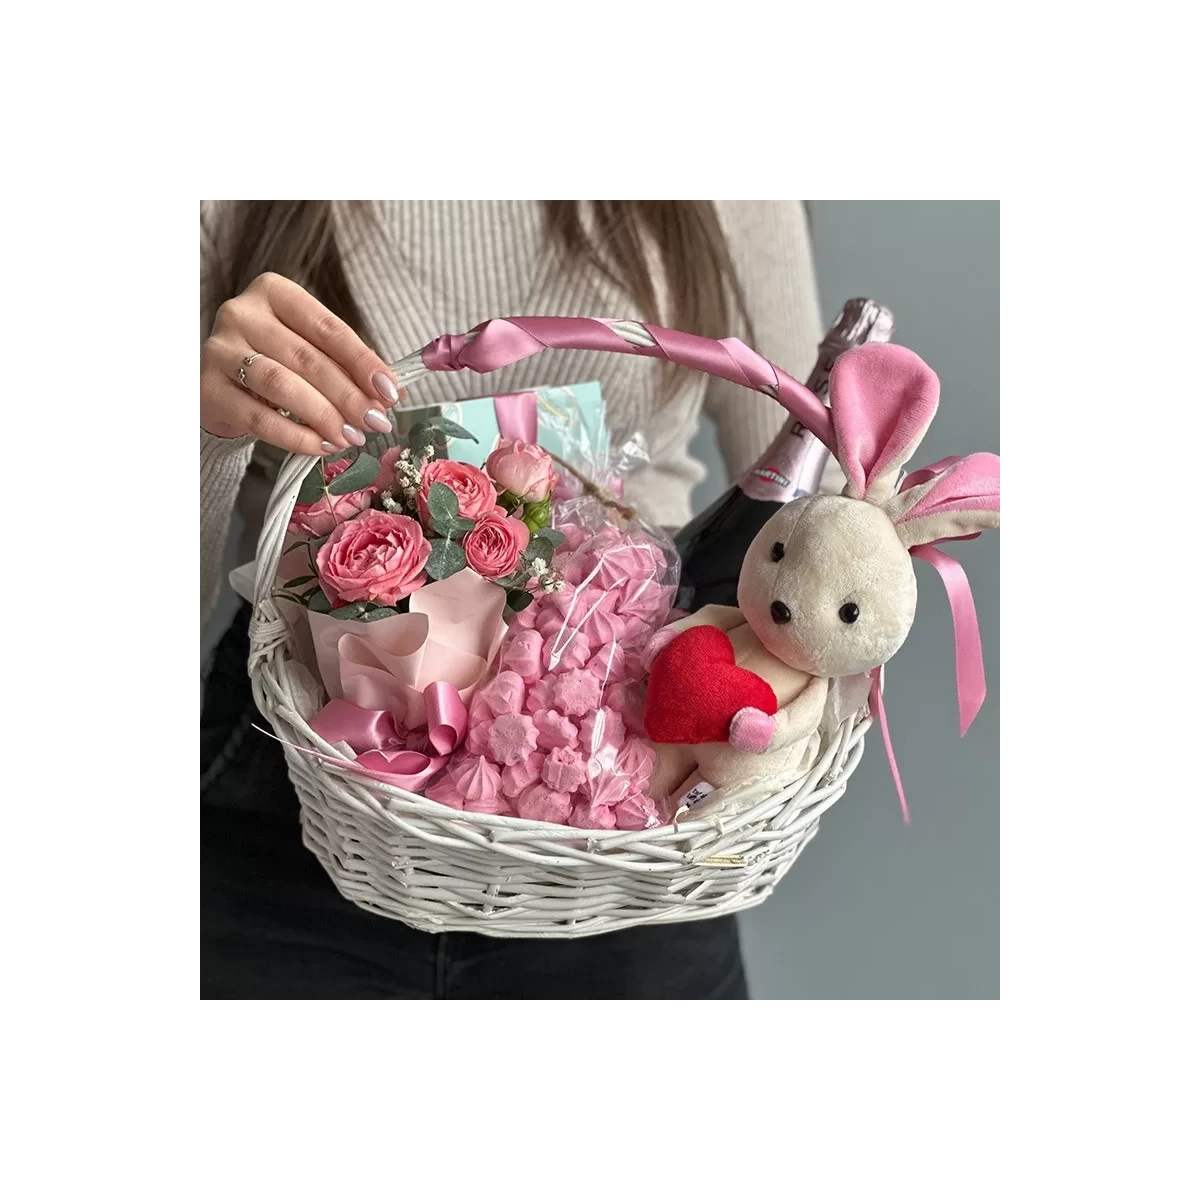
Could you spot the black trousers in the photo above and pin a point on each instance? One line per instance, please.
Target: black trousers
(273, 926)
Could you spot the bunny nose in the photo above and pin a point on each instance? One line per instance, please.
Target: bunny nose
(780, 613)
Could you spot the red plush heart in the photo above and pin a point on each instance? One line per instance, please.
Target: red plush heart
(695, 688)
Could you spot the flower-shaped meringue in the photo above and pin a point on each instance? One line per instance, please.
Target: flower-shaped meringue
(576, 692)
(554, 729)
(504, 693)
(515, 779)
(540, 803)
(511, 738)
(564, 769)
(587, 815)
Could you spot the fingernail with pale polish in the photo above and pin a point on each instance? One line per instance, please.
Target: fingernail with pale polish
(328, 448)
(377, 421)
(385, 387)
(355, 437)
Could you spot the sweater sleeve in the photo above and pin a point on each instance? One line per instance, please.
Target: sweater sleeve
(770, 247)
(223, 461)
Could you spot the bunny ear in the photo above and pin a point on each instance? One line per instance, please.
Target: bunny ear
(882, 398)
(956, 498)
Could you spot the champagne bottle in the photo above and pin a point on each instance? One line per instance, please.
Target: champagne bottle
(713, 544)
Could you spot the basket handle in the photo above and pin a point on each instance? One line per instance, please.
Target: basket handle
(505, 340)
(499, 343)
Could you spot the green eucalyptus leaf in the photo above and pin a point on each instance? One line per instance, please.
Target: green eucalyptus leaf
(378, 613)
(518, 600)
(443, 509)
(553, 536)
(313, 487)
(359, 474)
(319, 602)
(419, 436)
(445, 558)
(349, 612)
(540, 547)
(449, 429)
(291, 583)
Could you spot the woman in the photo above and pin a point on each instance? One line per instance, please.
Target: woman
(303, 305)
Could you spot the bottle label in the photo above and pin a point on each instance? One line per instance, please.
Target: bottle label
(784, 472)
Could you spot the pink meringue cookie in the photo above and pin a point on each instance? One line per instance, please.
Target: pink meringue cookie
(504, 693)
(479, 734)
(607, 628)
(574, 535)
(628, 563)
(527, 617)
(628, 697)
(511, 738)
(591, 600)
(444, 791)
(541, 695)
(637, 812)
(637, 632)
(608, 788)
(586, 815)
(576, 692)
(574, 570)
(540, 803)
(522, 653)
(548, 621)
(477, 780)
(478, 710)
(648, 600)
(603, 727)
(515, 779)
(636, 760)
(572, 650)
(608, 663)
(564, 769)
(554, 730)
(494, 806)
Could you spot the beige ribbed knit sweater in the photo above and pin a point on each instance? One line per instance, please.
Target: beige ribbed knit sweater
(420, 268)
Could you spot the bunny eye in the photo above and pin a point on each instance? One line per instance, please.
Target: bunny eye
(777, 552)
(848, 613)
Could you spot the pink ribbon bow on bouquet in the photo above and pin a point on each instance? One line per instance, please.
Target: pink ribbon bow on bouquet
(386, 751)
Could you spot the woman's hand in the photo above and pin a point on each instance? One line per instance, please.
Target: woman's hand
(306, 362)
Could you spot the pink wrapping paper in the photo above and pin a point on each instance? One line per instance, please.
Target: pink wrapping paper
(451, 634)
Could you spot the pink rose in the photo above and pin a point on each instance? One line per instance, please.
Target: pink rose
(523, 469)
(474, 490)
(494, 547)
(326, 514)
(378, 556)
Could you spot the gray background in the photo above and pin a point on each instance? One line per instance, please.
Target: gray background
(873, 909)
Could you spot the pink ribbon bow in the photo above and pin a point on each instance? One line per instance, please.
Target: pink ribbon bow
(970, 681)
(384, 750)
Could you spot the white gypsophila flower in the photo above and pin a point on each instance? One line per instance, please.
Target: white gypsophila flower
(389, 502)
(539, 566)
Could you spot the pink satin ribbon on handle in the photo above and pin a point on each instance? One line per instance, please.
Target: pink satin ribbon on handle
(506, 340)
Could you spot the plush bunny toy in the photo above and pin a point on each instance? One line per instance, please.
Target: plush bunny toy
(827, 588)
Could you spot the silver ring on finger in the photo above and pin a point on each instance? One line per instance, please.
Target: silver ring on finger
(241, 375)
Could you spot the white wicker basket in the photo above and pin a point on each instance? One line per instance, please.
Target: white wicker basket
(440, 869)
